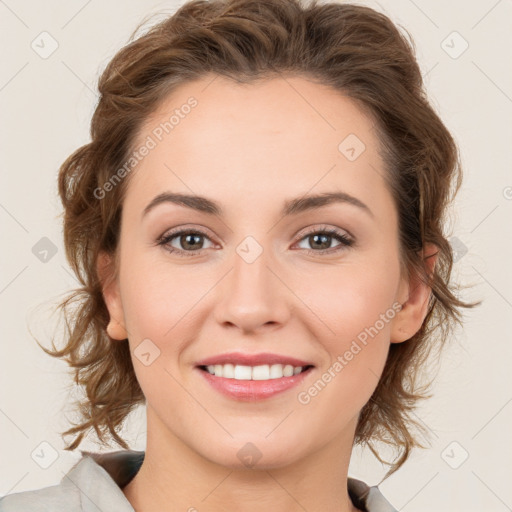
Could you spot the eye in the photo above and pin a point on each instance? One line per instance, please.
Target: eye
(190, 242)
(188, 239)
(322, 239)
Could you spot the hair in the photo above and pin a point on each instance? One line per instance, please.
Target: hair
(351, 48)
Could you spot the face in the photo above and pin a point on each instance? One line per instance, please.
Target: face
(317, 281)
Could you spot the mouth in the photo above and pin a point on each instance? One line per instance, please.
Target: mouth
(253, 383)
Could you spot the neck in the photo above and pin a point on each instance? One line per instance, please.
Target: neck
(173, 477)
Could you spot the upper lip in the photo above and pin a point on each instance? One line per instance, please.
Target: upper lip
(252, 359)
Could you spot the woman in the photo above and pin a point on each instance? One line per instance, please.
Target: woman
(257, 224)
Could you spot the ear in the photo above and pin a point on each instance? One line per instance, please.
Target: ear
(111, 295)
(414, 296)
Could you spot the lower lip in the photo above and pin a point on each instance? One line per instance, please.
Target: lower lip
(253, 390)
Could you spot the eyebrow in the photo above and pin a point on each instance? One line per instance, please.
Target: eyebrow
(291, 207)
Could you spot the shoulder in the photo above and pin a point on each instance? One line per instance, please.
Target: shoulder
(88, 485)
(57, 497)
(366, 498)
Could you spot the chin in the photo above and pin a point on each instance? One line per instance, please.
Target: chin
(252, 453)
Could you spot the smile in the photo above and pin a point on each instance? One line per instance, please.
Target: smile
(260, 372)
(253, 383)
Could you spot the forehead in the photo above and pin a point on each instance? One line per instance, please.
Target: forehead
(283, 136)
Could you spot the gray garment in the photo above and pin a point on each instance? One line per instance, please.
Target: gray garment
(94, 484)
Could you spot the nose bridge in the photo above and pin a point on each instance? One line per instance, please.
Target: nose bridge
(252, 296)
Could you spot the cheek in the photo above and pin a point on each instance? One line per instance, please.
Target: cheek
(157, 302)
(353, 297)
(357, 307)
(159, 315)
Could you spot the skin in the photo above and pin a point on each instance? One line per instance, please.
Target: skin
(250, 148)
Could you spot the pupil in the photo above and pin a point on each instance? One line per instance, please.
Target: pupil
(187, 237)
(324, 238)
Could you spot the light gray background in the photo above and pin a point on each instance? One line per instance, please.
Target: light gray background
(46, 107)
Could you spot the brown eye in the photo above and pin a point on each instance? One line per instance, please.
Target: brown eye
(321, 240)
(184, 242)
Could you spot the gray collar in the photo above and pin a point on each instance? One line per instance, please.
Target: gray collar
(101, 476)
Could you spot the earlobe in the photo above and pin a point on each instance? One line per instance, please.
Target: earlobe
(112, 297)
(415, 305)
(116, 330)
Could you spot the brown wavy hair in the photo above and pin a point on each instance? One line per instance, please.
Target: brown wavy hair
(354, 49)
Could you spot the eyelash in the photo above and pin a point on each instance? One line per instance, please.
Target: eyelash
(344, 240)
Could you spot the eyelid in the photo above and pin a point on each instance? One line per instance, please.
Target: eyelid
(196, 228)
(315, 228)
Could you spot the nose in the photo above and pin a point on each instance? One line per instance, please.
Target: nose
(252, 296)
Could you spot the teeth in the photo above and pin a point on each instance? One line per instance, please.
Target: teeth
(241, 372)
(262, 372)
(227, 370)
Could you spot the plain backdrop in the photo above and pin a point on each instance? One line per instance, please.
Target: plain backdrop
(46, 104)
